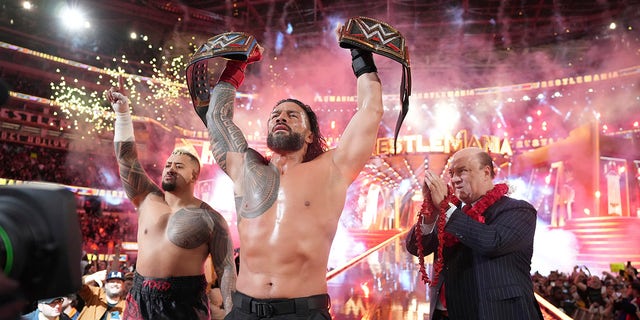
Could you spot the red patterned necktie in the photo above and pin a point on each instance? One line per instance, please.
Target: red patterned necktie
(442, 298)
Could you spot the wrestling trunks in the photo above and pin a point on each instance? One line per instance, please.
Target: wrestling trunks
(167, 298)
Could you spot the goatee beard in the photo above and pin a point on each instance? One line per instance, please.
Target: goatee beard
(168, 186)
(283, 143)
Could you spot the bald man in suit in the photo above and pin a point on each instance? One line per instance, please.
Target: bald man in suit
(486, 251)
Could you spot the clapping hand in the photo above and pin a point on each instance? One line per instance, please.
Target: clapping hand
(437, 187)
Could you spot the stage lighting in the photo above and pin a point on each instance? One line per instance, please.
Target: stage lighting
(73, 18)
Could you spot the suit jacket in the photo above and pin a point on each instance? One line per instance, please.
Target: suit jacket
(488, 273)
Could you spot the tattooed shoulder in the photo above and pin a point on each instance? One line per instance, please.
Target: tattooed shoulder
(190, 227)
(260, 184)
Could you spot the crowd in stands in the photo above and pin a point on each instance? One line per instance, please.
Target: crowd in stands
(35, 163)
(587, 296)
(20, 83)
(100, 231)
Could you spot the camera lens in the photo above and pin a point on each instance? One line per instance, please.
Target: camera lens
(40, 241)
(17, 235)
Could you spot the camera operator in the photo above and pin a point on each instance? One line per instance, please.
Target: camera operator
(50, 309)
(40, 245)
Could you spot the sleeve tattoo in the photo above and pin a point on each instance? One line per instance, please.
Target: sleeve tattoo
(221, 250)
(224, 134)
(134, 179)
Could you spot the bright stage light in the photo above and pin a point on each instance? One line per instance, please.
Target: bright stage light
(446, 116)
(73, 18)
(27, 5)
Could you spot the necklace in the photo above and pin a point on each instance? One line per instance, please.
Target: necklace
(476, 212)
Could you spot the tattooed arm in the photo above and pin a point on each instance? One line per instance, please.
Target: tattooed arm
(255, 181)
(135, 181)
(228, 143)
(221, 250)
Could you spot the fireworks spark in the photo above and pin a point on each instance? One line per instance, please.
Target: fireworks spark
(161, 97)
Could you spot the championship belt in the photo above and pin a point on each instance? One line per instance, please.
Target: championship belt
(381, 38)
(229, 45)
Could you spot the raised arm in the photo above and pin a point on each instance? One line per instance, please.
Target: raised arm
(230, 150)
(221, 250)
(228, 143)
(135, 181)
(358, 139)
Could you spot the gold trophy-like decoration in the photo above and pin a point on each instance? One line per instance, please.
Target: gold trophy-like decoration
(381, 38)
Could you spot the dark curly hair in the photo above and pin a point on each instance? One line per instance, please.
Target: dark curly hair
(319, 144)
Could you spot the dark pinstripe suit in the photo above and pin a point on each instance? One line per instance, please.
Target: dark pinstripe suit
(487, 274)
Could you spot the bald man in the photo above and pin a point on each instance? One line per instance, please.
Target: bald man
(486, 249)
(176, 232)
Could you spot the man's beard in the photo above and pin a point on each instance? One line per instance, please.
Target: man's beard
(113, 293)
(283, 143)
(169, 186)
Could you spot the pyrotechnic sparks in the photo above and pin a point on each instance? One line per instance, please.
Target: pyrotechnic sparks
(161, 97)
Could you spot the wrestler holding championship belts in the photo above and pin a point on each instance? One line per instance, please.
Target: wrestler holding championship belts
(288, 206)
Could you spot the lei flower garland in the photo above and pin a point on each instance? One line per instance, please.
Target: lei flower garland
(427, 209)
(476, 212)
(418, 235)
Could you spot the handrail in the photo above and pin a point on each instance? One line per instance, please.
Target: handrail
(363, 255)
(559, 314)
(549, 308)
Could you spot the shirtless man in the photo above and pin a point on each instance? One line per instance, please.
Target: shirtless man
(176, 232)
(288, 206)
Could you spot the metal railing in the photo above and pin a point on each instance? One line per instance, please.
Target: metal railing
(383, 282)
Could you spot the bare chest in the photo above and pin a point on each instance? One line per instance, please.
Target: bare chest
(189, 227)
(299, 189)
